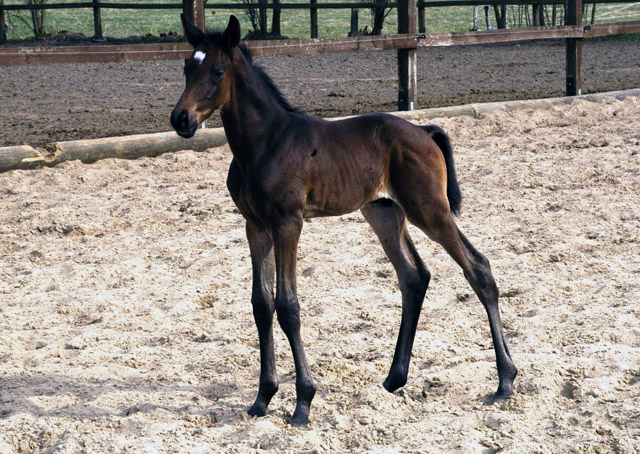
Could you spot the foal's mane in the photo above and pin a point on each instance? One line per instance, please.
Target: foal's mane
(215, 39)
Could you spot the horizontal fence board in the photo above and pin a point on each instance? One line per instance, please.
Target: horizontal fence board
(620, 28)
(331, 45)
(149, 52)
(97, 48)
(499, 36)
(12, 56)
(332, 5)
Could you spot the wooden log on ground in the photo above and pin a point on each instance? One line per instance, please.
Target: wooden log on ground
(87, 151)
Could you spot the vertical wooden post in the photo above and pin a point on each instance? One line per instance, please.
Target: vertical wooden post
(262, 16)
(535, 15)
(3, 26)
(422, 20)
(97, 20)
(194, 12)
(353, 30)
(313, 12)
(407, 77)
(574, 50)
(276, 27)
(501, 16)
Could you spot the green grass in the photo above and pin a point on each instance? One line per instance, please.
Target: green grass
(119, 23)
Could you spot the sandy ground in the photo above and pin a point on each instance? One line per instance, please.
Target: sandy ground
(126, 325)
(41, 104)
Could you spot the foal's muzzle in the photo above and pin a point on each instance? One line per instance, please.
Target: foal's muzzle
(183, 123)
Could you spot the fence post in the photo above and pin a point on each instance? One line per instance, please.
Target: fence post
(354, 23)
(535, 15)
(262, 16)
(407, 77)
(276, 28)
(313, 12)
(194, 12)
(422, 20)
(97, 20)
(3, 26)
(574, 50)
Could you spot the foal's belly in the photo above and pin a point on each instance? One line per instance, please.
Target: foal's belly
(335, 196)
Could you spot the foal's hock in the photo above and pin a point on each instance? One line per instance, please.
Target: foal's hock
(288, 166)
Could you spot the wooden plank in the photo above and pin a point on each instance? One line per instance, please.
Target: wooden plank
(92, 57)
(331, 5)
(10, 56)
(330, 45)
(498, 36)
(97, 48)
(149, 52)
(619, 28)
(574, 51)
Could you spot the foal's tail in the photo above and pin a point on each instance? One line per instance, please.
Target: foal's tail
(453, 189)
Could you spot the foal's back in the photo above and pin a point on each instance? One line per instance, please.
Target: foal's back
(345, 164)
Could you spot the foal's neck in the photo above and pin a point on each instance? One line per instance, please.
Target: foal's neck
(253, 113)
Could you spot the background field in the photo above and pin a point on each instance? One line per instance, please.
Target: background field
(120, 23)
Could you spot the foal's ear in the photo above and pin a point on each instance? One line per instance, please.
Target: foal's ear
(231, 36)
(193, 34)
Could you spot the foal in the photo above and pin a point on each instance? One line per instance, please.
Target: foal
(288, 166)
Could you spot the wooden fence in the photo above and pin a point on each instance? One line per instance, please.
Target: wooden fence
(406, 42)
(313, 6)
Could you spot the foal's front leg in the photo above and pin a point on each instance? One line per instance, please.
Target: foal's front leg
(286, 234)
(262, 261)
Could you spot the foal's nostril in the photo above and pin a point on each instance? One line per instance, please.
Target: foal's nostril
(184, 120)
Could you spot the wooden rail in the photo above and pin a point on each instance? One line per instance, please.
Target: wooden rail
(311, 4)
(20, 56)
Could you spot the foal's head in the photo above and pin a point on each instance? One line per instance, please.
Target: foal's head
(208, 81)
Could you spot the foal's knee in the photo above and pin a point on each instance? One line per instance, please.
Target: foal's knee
(288, 312)
(262, 308)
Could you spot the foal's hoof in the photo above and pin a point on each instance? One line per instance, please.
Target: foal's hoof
(394, 382)
(505, 388)
(300, 416)
(502, 394)
(259, 409)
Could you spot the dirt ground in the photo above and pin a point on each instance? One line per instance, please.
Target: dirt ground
(127, 328)
(65, 102)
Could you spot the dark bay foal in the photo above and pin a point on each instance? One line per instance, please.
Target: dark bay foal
(287, 166)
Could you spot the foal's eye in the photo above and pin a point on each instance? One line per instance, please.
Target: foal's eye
(218, 73)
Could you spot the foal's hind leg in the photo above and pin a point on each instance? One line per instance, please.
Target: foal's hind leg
(388, 221)
(263, 264)
(437, 222)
